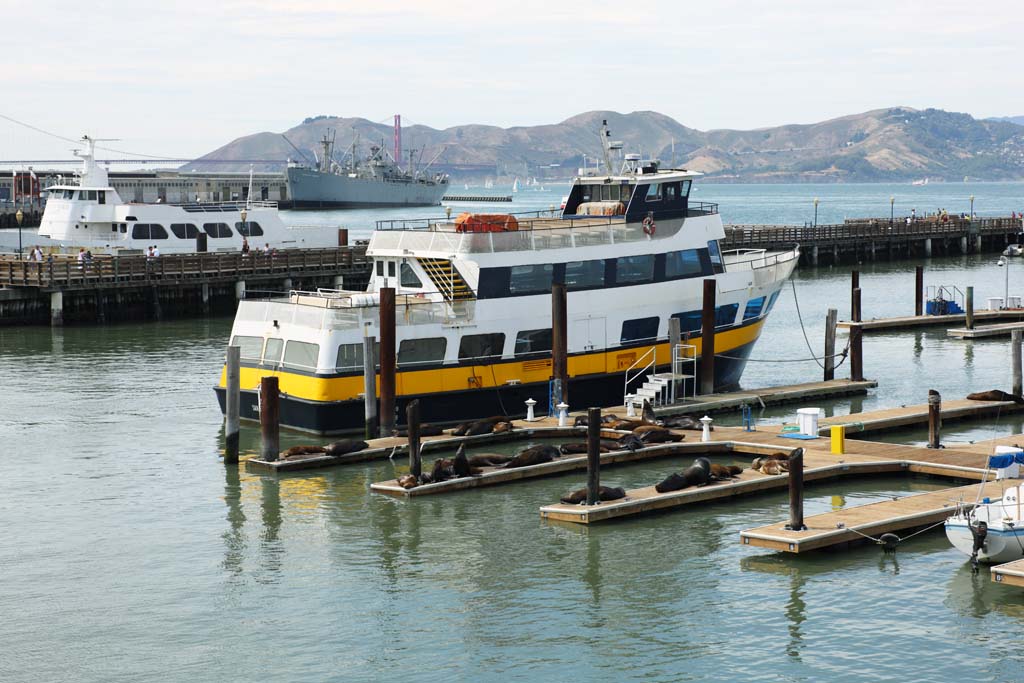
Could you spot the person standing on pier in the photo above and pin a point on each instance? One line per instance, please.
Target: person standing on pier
(156, 251)
(245, 247)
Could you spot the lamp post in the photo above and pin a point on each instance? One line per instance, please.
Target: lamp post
(20, 217)
(245, 228)
(815, 212)
(892, 210)
(970, 216)
(1005, 263)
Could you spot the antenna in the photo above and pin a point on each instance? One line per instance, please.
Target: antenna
(398, 139)
(606, 145)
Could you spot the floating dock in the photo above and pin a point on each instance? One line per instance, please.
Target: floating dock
(909, 322)
(907, 416)
(1010, 573)
(734, 400)
(1000, 330)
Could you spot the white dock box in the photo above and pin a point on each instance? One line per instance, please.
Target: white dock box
(807, 418)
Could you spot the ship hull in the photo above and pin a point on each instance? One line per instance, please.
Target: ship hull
(311, 189)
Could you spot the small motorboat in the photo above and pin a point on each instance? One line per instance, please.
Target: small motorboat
(992, 531)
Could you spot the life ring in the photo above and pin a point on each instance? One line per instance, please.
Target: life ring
(649, 226)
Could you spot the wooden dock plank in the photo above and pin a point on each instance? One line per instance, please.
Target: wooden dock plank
(767, 396)
(983, 331)
(905, 416)
(842, 526)
(1009, 573)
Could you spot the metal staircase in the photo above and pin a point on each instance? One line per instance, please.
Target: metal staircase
(659, 388)
(447, 279)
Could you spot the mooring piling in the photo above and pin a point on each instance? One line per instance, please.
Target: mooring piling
(1015, 341)
(796, 490)
(830, 344)
(387, 360)
(232, 401)
(934, 419)
(370, 383)
(854, 299)
(593, 456)
(270, 419)
(919, 290)
(707, 339)
(412, 424)
(969, 308)
(559, 343)
(856, 350)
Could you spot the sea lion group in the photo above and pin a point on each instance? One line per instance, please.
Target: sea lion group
(489, 425)
(773, 464)
(462, 465)
(700, 473)
(336, 448)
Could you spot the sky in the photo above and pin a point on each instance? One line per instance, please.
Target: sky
(182, 78)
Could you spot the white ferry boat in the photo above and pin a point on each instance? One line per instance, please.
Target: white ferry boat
(474, 305)
(91, 214)
(993, 530)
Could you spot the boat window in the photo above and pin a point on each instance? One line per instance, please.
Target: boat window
(101, 196)
(299, 354)
(671, 190)
(726, 315)
(640, 329)
(533, 279)
(689, 321)
(391, 268)
(481, 345)
(409, 278)
(629, 269)
(157, 232)
(272, 353)
(533, 341)
(69, 194)
(680, 264)
(249, 228)
(685, 189)
(251, 347)
(185, 231)
(653, 192)
(716, 257)
(380, 269)
(140, 231)
(113, 227)
(350, 357)
(87, 195)
(584, 274)
(771, 302)
(217, 230)
(753, 308)
(421, 350)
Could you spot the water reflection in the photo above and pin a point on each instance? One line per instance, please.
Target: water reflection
(234, 537)
(976, 595)
(796, 613)
(271, 549)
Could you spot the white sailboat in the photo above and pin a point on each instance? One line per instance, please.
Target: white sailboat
(992, 531)
(515, 185)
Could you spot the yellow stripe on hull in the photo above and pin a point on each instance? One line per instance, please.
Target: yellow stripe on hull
(462, 377)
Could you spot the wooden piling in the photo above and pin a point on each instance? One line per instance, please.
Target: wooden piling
(232, 402)
(412, 425)
(796, 491)
(919, 290)
(1015, 341)
(560, 340)
(934, 418)
(707, 339)
(830, 344)
(388, 362)
(593, 456)
(370, 385)
(270, 419)
(854, 302)
(342, 237)
(856, 353)
(969, 308)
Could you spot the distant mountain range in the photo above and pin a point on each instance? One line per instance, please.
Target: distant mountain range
(1019, 120)
(895, 144)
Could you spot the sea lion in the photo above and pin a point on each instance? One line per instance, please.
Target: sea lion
(686, 422)
(659, 435)
(603, 493)
(994, 395)
(579, 447)
(630, 442)
(626, 425)
(609, 418)
(442, 470)
(488, 460)
(723, 472)
(345, 446)
(460, 465)
(647, 413)
(301, 450)
(485, 426)
(581, 421)
(769, 465)
(425, 430)
(408, 481)
(502, 427)
(695, 475)
(535, 455)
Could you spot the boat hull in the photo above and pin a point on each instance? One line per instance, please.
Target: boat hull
(310, 189)
(1000, 545)
(450, 407)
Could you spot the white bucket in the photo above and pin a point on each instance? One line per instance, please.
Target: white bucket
(807, 418)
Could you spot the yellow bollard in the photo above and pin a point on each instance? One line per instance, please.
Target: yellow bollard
(838, 439)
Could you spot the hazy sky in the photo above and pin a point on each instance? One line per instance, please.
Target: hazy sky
(181, 78)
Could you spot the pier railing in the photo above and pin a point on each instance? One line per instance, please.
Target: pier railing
(110, 271)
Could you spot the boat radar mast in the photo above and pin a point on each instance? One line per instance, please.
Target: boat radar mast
(92, 174)
(608, 145)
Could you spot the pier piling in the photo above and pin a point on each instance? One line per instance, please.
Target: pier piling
(934, 419)
(593, 456)
(707, 339)
(56, 309)
(969, 308)
(370, 384)
(559, 342)
(387, 360)
(856, 351)
(830, 344)
(796, 491)
(854, 299)
(1015, 341)
(412, 423)
(919, 290)
(270, 419)
(232, 401)
(342, 237)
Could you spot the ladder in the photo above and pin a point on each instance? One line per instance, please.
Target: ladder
(660, 388)
(447, 279)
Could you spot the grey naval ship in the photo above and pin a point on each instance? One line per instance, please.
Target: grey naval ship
(375, 180)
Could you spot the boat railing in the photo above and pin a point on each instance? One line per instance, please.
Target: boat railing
(755, 259)
(215, 207)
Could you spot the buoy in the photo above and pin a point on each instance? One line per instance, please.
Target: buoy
(889, 542)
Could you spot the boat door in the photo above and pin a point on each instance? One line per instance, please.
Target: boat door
(587, 335)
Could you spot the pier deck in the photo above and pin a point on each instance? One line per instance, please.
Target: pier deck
(1010, 573)
(788, 393)
(852, 524)
(908, 322)
(999, 330)
(906, 416)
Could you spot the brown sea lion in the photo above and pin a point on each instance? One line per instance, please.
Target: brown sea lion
(580, 421)
(603, 492)
(685, 422)
(408, 481)
(345, 446)
(608, 418)
(460, 465)
(578, 447)
(629, 442)
(994, 395)
(488, 460)
(425, 430)
(442, 470)
(769, 465)
(626, 425)
(301, 450)
(648, 413)
(535, 455)
(723, 472)
(502, 427)
(695, 475)
(659, 435)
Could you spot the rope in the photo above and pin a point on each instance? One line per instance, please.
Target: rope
(879, 541)
(800, 317)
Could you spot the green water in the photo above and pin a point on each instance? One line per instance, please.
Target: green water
(130, 553)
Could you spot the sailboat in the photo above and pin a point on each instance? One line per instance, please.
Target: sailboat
(515, 185)
(992, 531)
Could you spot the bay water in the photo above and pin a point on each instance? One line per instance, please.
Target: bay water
(131, 553)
